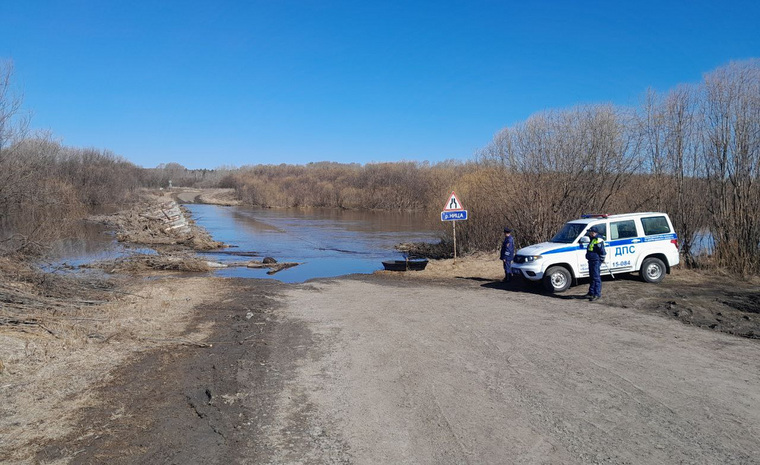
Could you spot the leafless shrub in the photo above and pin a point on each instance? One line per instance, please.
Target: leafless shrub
(555, 166)
(675, 176)
(731, 144)
(404, 186)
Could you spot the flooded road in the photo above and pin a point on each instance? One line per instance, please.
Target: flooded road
(326, 242)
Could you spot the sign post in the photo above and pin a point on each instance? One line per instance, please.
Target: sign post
(453, 211)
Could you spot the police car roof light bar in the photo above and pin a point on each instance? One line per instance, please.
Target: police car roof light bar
(595, 215)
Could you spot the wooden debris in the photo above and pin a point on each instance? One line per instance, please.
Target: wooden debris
(22, 322)
(273, 267)
(280, 266)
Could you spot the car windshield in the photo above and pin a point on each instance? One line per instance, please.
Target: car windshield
(569, 233)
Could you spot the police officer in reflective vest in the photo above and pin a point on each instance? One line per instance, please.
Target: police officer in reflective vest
(507, 253)
(595, 256)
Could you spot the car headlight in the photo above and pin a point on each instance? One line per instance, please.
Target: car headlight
(532, 258)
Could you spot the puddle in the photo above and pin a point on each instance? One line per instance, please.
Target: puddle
(88, 243)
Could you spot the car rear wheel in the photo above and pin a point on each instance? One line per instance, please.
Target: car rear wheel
(557, 279)
(653, 270)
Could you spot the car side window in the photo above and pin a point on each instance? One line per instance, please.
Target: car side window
(655, 225)
(622, 229)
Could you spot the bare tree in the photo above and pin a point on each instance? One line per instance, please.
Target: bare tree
(731, 141)
(556, 166)
(674, 180)
(13, 122)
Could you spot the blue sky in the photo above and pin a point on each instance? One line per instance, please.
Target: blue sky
(211, 83)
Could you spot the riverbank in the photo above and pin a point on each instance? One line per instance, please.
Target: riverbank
(149, 367)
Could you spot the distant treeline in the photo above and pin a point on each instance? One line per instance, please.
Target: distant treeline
(693, 151)
(375, 186)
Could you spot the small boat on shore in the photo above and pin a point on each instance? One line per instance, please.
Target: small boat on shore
(416, 264)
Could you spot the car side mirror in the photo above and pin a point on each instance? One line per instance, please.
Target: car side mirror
(584, 240)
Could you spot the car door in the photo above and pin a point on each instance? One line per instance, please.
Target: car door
(624, 245)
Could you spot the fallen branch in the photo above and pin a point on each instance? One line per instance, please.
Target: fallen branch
(26, 322)
(178, 341)
(273, 267)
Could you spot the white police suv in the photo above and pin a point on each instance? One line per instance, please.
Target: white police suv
(643, 242)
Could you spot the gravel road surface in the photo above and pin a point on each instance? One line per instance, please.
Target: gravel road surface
(466, 374)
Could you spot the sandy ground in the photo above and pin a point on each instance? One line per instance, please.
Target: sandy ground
(48, 380)
(448, 365)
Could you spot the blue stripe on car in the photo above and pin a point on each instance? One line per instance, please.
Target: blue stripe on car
(659, 237)
(563, 249)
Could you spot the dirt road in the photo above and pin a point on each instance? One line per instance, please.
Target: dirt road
(381, 369)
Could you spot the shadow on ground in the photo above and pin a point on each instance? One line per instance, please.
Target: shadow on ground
(717, 303)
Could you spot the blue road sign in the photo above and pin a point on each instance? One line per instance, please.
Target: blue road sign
(455, 215)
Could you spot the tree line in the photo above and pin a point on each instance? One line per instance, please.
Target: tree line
(406, 186)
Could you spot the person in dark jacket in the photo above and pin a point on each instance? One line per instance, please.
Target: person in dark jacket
(595, 254)
(507, 253)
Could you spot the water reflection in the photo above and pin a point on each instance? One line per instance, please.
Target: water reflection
(703, 244)
(85, 243)
(327, 242)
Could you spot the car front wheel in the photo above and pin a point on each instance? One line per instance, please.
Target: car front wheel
(557, 279)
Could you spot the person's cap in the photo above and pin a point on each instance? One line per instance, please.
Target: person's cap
(593, 229)
(507, 230)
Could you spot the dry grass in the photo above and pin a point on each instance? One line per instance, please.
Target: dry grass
(218, 196)
(478, 265)
(138, 263)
